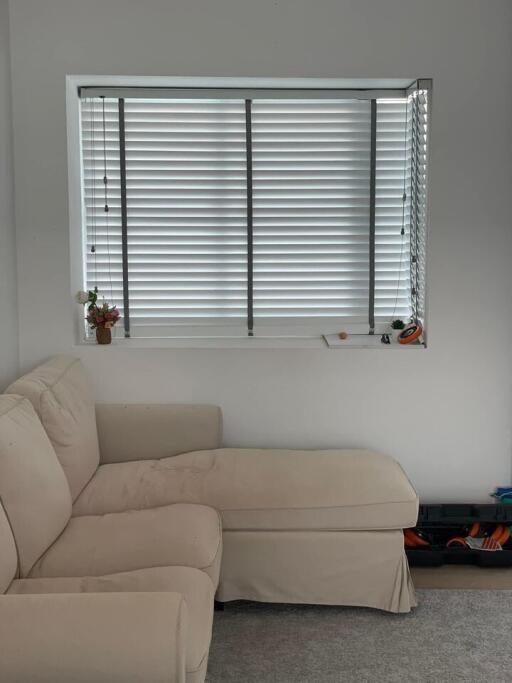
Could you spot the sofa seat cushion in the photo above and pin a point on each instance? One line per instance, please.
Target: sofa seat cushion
(60, 393)
(193, 584)
(94, 545)
(264, 489)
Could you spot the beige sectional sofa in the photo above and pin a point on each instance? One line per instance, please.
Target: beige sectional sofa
(119, 524)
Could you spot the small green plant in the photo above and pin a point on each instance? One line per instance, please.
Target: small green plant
(397, 324)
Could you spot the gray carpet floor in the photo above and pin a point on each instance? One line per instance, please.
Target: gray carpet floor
(452, 637)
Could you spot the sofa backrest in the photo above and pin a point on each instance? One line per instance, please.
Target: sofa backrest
(34, 491)
(8, 554)
(60, 393)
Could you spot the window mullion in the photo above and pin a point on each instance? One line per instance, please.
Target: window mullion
(124, 218)
(248, 149)
(371, 241)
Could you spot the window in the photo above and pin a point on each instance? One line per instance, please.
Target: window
(279, 212)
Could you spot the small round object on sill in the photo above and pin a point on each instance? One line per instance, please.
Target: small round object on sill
(411, 333)
(343, 335)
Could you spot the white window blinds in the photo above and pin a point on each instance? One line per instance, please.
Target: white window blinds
(419, 139)
(311, 210)
(272, 215)
(186, 201)
(102, 229)
(392, 213)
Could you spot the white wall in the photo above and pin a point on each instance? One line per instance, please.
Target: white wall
(445, 412)
(8, 308)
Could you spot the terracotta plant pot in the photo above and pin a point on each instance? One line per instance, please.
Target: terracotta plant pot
(103, 335)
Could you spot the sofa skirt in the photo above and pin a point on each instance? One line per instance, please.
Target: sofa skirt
(353, 568)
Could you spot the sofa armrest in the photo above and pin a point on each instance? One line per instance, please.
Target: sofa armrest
(146, 432)
(100, 637)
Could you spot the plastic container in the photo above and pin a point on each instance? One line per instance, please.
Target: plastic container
(444, 521)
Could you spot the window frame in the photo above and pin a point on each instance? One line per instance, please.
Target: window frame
(292, 337)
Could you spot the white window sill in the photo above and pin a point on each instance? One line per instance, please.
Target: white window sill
(354, 341)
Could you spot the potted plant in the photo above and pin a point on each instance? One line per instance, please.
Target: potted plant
(396, 328)
(101, 318)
